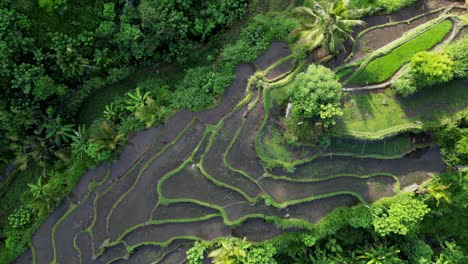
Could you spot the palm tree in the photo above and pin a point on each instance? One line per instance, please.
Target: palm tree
(71, 62)
(44, 197)
(327, 23)
(56, 131)
(150, 113)
(379, 253)
(37, 150)
(105, 135)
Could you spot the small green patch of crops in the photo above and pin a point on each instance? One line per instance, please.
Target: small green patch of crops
(274, 147)
(382, 68)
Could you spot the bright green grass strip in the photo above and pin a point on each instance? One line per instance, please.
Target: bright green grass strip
(382, 68)
(71, 209)
(378, 115)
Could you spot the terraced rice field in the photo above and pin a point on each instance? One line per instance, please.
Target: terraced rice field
(200, 176)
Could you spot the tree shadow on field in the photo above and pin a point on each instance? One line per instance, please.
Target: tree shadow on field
(432, 104)
(360, 104)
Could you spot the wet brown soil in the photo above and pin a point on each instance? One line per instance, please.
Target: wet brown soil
(275, 52)
(313, 211)
(285, 67)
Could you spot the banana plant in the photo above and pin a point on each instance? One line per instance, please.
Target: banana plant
(135, 100)
(110, 112)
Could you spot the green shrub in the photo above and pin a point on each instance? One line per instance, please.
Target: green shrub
(15, 242)
(257, 37)
(458, 52)
(451, 254)
(94, 151)
(315, 94)
(195, 254)
(20, 217)
(393, 5)
(46, 195)
(453, 142)
(461, 149)
(418, 251)
(430, 68)
(399, 215)
(425, 69)
(130, 124)
(200, 87)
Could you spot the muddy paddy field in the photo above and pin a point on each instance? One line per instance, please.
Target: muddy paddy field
(200, 175)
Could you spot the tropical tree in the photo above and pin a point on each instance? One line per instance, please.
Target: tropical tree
(71, 62)
(379, 253)
(56, 131)
(400, 215)
(135, 99)
(105, 135)
(35, 149)
(151, 112)
(327, 23)
(110, 112)
(45, 196)
(316, 94)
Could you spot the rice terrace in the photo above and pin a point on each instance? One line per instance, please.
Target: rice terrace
(259, 175)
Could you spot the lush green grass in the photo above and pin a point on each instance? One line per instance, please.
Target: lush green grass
(382, 68)
(274, 146)
(375, 115)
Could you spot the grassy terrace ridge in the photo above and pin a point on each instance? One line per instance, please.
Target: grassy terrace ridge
(382, 68)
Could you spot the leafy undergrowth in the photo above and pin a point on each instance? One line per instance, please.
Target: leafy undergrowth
(382, 68)
(379, 114)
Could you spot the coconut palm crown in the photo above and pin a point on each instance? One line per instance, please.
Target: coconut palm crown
(327, 23)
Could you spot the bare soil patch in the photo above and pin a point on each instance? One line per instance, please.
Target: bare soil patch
(275, 52)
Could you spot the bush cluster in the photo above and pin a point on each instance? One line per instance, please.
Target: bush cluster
(21, 217)
(431, 68)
